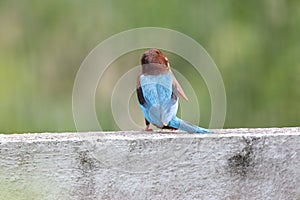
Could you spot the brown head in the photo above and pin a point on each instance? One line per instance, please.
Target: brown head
(154, 62)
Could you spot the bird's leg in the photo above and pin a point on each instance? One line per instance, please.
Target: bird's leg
(148, 126)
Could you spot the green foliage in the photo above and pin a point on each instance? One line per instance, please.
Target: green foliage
(255, 44)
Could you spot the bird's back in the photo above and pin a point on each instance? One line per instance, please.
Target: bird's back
(157, 90)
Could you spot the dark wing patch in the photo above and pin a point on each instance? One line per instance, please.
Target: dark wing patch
(169, 127)
(147, 122)
(174, 95)
(140, 96)
(179, 89)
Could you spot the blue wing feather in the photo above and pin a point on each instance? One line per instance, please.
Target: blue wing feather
(159, 108)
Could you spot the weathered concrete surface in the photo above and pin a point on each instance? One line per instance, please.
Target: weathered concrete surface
(229, 164)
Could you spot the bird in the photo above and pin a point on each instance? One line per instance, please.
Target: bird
(157, 92)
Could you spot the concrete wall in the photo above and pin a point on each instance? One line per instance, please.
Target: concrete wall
(229, 164)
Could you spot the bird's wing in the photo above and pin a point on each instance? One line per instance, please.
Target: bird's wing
(179, 88)
(142, 100)
(139, 91)
(158, 101)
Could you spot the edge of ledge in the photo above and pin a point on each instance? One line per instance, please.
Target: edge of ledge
(158, 134)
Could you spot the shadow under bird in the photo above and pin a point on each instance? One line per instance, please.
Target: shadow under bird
(157, 91)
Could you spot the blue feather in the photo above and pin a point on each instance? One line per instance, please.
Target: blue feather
(160, 108)
(185, 126)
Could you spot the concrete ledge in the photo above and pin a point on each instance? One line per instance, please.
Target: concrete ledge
(228, 164)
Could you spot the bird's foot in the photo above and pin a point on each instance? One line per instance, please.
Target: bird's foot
(148, 128)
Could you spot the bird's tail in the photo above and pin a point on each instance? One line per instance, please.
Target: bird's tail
(186, 126)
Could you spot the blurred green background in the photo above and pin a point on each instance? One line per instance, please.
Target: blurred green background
(255, 44)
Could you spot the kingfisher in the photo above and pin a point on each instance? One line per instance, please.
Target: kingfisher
(158, 91)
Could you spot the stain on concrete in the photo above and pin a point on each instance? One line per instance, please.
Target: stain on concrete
(86, 178)
(242, 162)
